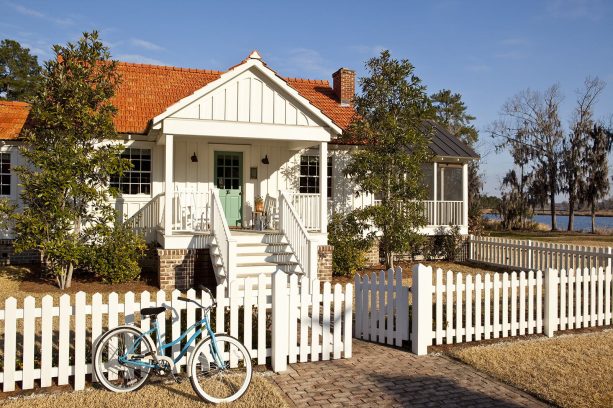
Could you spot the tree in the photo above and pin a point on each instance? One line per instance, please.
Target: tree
(531, 120)
(451, 112)
(19, 71)
(595, 166)
(65, 184)
(575, 147)
(391, 122)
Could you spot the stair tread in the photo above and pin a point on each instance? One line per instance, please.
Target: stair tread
(264, 253)
(247, 264)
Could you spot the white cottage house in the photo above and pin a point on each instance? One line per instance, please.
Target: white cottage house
(205, 144)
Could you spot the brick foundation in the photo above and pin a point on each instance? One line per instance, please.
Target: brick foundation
(9, 257)
(324, 263)
(372, 255)
(183, 268)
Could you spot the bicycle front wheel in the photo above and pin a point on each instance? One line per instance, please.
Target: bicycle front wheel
(115, 368)
(223, 375)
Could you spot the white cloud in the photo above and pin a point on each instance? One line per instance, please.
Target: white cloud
(38, 14)
(146, 45)
(478, 68)
(370, 50)
(139, 58)
(511, 55)
(301, 61)
(576, 9)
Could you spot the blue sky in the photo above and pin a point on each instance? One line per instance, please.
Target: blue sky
(486, 50)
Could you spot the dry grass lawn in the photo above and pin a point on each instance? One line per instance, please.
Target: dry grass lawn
(570, 370)
(163, 394)
(22, 281)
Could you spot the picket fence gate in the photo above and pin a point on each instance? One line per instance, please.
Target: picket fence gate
(536, 255)
(446, 308)
(382, 307)
(292, 321)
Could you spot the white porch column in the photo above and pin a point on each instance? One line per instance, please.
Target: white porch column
(323, 186)
(465, 194)
(168, 184)
(434, 204)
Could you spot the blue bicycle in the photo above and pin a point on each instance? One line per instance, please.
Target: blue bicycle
(219, 367)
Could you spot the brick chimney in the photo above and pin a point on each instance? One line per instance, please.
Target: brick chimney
(343, 82)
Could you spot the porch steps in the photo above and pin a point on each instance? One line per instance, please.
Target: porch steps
(258, 253)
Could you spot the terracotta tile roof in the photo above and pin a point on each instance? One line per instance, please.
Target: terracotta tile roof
(147, 90)
(319, 93)
(13, 116)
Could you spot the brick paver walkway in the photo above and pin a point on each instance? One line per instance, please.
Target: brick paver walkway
(378, 376)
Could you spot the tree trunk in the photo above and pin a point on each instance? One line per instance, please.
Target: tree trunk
(593, 218)
(571, 214)
(389, 260)
(552, 208)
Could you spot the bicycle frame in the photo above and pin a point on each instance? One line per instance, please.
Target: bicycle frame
(161, 346)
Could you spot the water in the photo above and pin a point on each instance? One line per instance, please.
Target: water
(582, 222)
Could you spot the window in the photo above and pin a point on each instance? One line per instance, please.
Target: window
(309, 175)
(5, 174)
(136, 180)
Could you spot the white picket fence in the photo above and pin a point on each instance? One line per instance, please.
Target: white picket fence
(382, 308)
(537, 255)
(446, 308)
(47, 341)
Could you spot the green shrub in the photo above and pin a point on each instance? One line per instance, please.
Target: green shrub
(445, 244)
(115, 257)
(345, 233)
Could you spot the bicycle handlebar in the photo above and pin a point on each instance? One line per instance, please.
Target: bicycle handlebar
(184, 299)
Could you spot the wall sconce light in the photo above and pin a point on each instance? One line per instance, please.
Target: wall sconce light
(194, 158)
(265, 160)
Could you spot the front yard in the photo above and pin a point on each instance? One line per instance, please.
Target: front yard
(158, 393)
(22, 281)
(571, 370)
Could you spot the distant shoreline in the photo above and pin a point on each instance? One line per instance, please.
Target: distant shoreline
(602, 213)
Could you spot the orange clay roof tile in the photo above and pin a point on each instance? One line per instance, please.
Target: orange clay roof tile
(13, 116)
(147, 90)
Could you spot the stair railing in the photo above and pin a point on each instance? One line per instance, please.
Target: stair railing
(223, 238)
(290, 224)
(147, 220)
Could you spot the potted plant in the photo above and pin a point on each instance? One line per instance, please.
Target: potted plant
(259, 204)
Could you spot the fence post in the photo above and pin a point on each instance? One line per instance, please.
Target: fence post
(470, 247)
(280, 320)
(422, 309)
(550, 318)
(609, 254)
(529, 266)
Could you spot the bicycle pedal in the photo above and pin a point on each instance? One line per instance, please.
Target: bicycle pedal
(177, 379)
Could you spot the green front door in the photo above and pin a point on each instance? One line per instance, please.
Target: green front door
(229, 181)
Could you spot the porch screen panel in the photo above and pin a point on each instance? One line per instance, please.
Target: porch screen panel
(450, 184)
(137, 180)
(428, 179)
(5, 174)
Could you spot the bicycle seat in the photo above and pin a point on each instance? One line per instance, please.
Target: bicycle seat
(152, 311)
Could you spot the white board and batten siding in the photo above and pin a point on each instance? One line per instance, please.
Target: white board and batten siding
(52, 340)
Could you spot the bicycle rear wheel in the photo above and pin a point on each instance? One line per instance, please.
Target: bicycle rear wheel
(114, 368)
(212, 381)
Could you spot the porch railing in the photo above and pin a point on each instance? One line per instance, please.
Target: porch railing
(441, 212)
(297, 235)
(191, 211)
(226, 245)
(308, 208)
(148, 218)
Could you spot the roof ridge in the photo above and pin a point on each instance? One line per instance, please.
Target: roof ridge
(169, 67)
(308, 80)
(15, 103)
